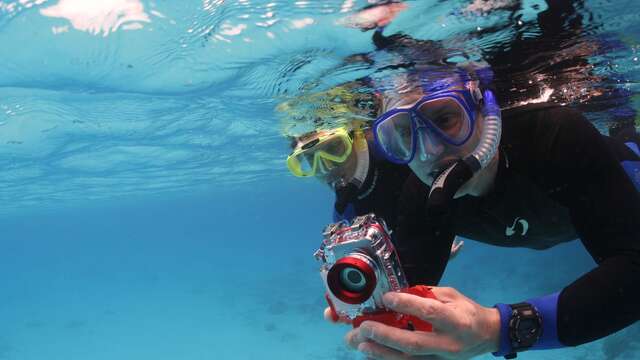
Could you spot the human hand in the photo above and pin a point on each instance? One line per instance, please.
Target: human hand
(455, 247)
(331, 316)
(461, 328)
(374, 17)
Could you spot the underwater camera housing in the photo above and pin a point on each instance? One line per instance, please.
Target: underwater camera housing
(358, 265)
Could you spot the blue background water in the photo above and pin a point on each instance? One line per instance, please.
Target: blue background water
(145, 209)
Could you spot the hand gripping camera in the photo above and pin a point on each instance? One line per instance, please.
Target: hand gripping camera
(358, 265)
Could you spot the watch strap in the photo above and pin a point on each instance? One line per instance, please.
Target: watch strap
(505, 342)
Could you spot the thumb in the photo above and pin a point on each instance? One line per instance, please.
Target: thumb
(331, 316)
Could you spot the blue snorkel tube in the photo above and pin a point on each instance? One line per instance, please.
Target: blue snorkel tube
(491, 132)
(446, 185)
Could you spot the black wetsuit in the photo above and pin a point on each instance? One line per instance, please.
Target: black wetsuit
(379, 192)
(558, 179)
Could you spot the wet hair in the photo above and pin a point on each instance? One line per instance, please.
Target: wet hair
(304, 137)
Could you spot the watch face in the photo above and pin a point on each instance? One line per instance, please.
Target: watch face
(527, 328)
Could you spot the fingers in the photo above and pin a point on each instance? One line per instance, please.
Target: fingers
(436, 312)
(401, 341)
(354, 338)
(375, 351)
(445, 294)
(330, 315)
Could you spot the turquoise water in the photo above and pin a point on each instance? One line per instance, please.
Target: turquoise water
(146, 212)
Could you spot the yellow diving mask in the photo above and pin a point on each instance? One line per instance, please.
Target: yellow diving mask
(320, 154)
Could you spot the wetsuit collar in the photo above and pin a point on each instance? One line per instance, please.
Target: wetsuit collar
(347, 192)
(369, 185)
(370, 181)
(363, 161)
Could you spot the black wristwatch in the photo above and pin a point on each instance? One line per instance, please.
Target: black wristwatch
(525, 326)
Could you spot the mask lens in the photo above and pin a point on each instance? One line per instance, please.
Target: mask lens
(395, 135)
(305, 160)
(331, 152)
(326, 166)
(335, 147)
(448, 116)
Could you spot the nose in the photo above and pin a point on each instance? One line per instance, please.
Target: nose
(429, 145)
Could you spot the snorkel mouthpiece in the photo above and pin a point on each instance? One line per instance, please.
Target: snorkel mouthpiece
(345, 193)
(446, 185)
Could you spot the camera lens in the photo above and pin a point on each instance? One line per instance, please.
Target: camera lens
(352, 279)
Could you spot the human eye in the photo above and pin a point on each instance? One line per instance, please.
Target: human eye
(446, 120)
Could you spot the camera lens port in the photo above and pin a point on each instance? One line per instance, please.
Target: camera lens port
(352, 279)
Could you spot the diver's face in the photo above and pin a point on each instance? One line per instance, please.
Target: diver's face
(328, 171)
(433, 155)
(333, 173)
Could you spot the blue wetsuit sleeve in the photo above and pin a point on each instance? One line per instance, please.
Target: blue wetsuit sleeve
(547, 307)
(505, 343)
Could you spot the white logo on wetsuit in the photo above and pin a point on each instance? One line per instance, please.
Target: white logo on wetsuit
(510, 230)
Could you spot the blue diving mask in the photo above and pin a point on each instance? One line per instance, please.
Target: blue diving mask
(446, 116)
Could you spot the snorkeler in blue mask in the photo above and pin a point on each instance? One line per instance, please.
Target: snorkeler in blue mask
(532, 176)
